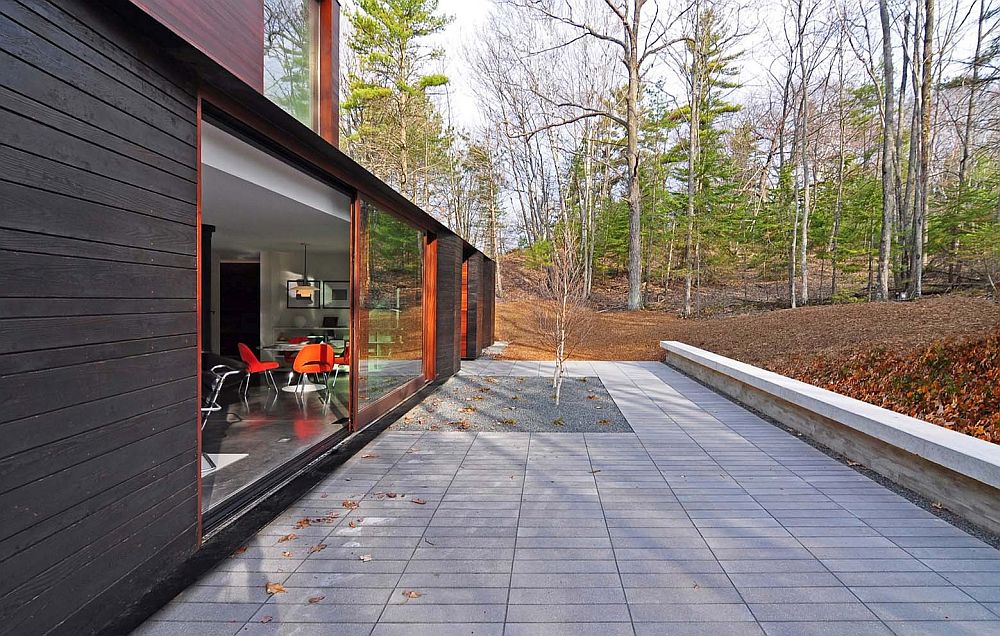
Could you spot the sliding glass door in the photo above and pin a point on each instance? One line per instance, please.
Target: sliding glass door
(390, 309)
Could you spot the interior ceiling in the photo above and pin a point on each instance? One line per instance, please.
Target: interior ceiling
(249, 216)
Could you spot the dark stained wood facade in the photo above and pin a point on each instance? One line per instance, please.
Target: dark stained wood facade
(98, 322)
(472, 306)
(99, 282)
(231, 32)
(449, 304)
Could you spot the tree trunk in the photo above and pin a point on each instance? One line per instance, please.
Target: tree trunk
(804, 160)
(888, 196)
(919, 219)
(694, 119)
(634, 194)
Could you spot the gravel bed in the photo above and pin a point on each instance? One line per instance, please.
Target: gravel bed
(513, 404)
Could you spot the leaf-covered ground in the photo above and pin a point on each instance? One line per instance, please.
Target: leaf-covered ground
(954, 383)
(950, 340)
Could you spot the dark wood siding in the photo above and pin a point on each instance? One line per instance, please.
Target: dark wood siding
(449, 304)
(98, 327)
(473, 290)
(488, 301)
(231, 32)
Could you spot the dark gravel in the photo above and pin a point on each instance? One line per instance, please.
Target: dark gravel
(512, 404)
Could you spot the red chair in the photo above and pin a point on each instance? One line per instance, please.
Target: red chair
(314, 359)
(256, 366)
(344, 359)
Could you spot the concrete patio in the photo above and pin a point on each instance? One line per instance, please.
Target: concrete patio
(707, 520)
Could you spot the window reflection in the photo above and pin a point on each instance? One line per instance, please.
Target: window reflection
(391, 304)
(291, 57)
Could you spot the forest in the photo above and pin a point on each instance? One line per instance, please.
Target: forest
(793, 153)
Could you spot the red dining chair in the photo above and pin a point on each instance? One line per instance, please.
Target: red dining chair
(256, 366)
(316, 359)
(344, 359)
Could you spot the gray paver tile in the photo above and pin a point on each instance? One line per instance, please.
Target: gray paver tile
(944, 628)
(835, 628)
(437, 629)
(703, 521)
(568, 629)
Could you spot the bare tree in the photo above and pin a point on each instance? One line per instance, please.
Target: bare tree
(888, 158)
(637, 39)
(920, 210)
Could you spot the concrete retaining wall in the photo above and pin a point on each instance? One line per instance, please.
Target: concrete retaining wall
(961, 472)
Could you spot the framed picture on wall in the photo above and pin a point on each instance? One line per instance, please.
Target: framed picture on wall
(336, 294)
(300, 301)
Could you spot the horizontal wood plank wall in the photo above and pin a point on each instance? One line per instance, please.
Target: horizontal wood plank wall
(98, 349)
(473, 339)
(231, 32)
(449, 304)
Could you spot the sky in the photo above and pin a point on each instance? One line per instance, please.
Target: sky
(470, 18)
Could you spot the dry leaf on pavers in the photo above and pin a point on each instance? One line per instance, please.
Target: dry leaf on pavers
(286, 553)
(365, 557)
(274, 588)
(369, 456)
(315, 599)
(349, 504)
(351, 524)
(391, 495)
(266, 619)
(240, 550)
(288, 537)
(418, 501)
(323, 496)
(303, 523)
(316, 548)
(412, 594)
(937, 505)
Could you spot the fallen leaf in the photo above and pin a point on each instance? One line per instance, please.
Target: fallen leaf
(315, 599)
(316, 548)
(467, 409)
(369, 456)
(937, 505)
(266, 619)
(391, 495)
(274, 588)
(286, 553)
(412, 594)
(850, 463)
(365, 557)
(240, 550)
(352, 525)
(290, 537)
(349, 504)
(418, 501)
(303, 523)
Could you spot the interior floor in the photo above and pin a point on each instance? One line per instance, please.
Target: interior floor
(252, 437)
